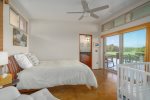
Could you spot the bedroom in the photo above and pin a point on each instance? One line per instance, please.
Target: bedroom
(52, 34)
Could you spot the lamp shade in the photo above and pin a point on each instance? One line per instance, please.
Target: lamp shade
(3, 58)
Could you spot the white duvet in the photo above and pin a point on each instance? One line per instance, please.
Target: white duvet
(55, 73)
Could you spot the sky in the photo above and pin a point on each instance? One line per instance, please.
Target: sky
(131, 39)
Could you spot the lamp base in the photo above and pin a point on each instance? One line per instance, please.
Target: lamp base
(5, 79)
(1, 70)
(1, 87)
(4, 75)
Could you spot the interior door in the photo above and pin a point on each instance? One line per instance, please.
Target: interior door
(86, 49)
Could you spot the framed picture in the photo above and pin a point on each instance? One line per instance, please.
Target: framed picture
(19, 38)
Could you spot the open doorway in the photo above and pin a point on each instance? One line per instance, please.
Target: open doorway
(111, 52)
(85, 51)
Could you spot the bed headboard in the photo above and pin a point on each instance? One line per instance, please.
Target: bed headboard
(13, 67)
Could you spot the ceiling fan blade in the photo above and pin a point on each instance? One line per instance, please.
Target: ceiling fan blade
(85, 5)
(94, 15)
(74, 12)
(99, 8)
(81, 17)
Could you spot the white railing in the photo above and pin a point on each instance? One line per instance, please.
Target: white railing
(133, 81)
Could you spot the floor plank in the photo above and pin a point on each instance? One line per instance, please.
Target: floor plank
(105, 91)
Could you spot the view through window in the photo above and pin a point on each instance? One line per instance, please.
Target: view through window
(124, 48)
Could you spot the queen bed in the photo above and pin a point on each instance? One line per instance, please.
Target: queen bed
(52, 73)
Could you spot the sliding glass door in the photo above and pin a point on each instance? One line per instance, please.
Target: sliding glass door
(124, 48)
(111, 55)
(134, 44)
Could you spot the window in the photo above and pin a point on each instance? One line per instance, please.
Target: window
(134, 14)
(141, 11)
(23, 24)
(134, 44)
(108, 26)
(119, 21)
(111, 52)
(128, 17)
(19, 25)
(14, 18)
(128, 46)
(18, 21)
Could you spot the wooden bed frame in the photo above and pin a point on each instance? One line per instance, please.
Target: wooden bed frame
(14, 68)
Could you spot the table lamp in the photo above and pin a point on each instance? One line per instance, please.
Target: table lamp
(3, 62)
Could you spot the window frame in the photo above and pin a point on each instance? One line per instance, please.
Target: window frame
(10, 18)
(26, 24)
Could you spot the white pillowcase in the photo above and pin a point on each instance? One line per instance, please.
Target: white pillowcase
(23, 61)
(33, 59)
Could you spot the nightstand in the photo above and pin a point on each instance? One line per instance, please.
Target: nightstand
(8, 81)
(14, 83)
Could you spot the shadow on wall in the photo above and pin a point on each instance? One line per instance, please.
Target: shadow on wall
(48, 47)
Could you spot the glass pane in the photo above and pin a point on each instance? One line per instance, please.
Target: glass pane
(128, 17)
(134, 46)
(111, 52)
(14, 19)
(141, 11)
(119, 21)
(85, 43)
(23, 24)
(108, 26)
(134, 14)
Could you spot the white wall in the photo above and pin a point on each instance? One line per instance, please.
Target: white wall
(57, 40)
(8, 35)
(96, 52)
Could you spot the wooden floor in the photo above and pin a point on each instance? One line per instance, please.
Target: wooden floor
(105, 91)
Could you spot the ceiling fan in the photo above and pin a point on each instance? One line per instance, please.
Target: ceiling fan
(87, 10)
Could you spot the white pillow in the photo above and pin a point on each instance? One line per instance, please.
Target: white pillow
(23, 61)
(43, 94)
(9, 93)
(24, 97)
(33, 59)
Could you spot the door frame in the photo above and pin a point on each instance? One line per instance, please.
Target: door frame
(91, 55)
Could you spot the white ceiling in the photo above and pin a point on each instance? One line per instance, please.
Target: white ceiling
(56, 9)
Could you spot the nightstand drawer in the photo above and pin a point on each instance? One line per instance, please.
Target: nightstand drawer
(7, 80)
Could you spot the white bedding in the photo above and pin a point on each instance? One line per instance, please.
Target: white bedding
(55, 73)
(12, 93)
